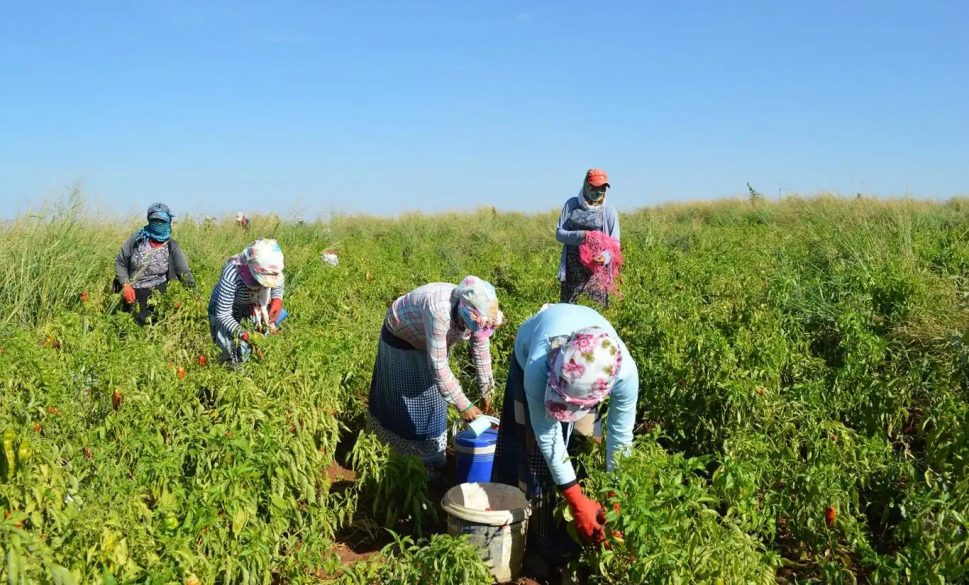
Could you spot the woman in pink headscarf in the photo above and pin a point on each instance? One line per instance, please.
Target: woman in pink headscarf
(412, 384)
(567, 359)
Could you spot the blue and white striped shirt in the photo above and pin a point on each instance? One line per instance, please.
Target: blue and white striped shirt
(232, 300)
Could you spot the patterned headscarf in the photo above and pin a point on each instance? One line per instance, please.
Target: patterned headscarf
(263, 261)
(478, 306)
(582, 370)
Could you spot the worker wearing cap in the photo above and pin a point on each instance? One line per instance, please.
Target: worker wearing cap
(566, 360)
(587, 211)
(147, 261)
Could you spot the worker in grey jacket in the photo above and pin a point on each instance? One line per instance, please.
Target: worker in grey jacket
(147, 261)
(587, 211)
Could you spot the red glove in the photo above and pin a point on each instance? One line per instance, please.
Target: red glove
(128, 293)
(244, 336)
(275, 306)
(586, 513)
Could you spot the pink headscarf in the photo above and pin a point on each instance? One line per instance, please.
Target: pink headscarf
(581, 373)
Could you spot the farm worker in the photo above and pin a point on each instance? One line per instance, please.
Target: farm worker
(566, 360)
(412, 383)
(250, 288)
(586, 212)
(147, 261)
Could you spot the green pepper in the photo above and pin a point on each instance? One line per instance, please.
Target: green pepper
(9, 457)
(23, 453)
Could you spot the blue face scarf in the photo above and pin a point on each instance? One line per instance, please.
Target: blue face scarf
(157, 229)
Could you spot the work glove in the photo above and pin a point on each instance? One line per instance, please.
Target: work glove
(275, 307)
(128, 293)
(586, 512)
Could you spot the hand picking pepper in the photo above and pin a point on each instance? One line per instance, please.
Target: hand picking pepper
(589, 518)
(275, 308)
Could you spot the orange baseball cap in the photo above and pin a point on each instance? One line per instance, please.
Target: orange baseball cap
(597, 178)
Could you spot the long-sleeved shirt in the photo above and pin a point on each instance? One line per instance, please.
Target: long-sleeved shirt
(608, 222)
(177, 265)
(231, 298)
(531, 351)
(425, 319)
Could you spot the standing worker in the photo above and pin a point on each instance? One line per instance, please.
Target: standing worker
(584, 213)
(412, 383)
(566, 360)
(147, 261)
(251, 287)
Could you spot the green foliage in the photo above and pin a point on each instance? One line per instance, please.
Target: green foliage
(445, 560)
(794, 356)
(394, 484)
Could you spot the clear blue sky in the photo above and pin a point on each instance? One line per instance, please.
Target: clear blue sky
(313, 107)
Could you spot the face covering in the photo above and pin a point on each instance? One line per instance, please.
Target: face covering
(592, 195)
(158, 230)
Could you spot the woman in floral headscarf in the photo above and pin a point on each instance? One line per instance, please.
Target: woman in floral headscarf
(412, 383)
(567, 359)
(147, 261)
(251, 288)
(586, 212)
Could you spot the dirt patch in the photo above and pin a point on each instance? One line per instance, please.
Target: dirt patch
(336, 473)
(349, 556)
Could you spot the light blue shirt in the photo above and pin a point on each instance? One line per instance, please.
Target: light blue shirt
(531, 351)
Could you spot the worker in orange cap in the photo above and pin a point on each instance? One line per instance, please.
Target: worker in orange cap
(586, 212)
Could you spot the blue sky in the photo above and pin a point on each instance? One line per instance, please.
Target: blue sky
(381, 107)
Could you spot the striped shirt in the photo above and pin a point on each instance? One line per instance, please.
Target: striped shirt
(232, 300)
(422, 318)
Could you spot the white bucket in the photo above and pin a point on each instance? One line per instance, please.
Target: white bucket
(495, 518)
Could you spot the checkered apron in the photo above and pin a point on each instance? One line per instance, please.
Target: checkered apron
(407, 410)
(520, 463)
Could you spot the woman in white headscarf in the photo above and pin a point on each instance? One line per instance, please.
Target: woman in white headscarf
(251, 287)
(412, 384)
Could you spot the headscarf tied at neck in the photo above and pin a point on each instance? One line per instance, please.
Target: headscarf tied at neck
(159, 227)
(582, 370)
(477, 304)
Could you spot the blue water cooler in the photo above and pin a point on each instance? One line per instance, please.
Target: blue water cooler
(474, 455)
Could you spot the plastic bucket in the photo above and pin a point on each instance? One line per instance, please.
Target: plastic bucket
(474, 455)
(494, 516)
